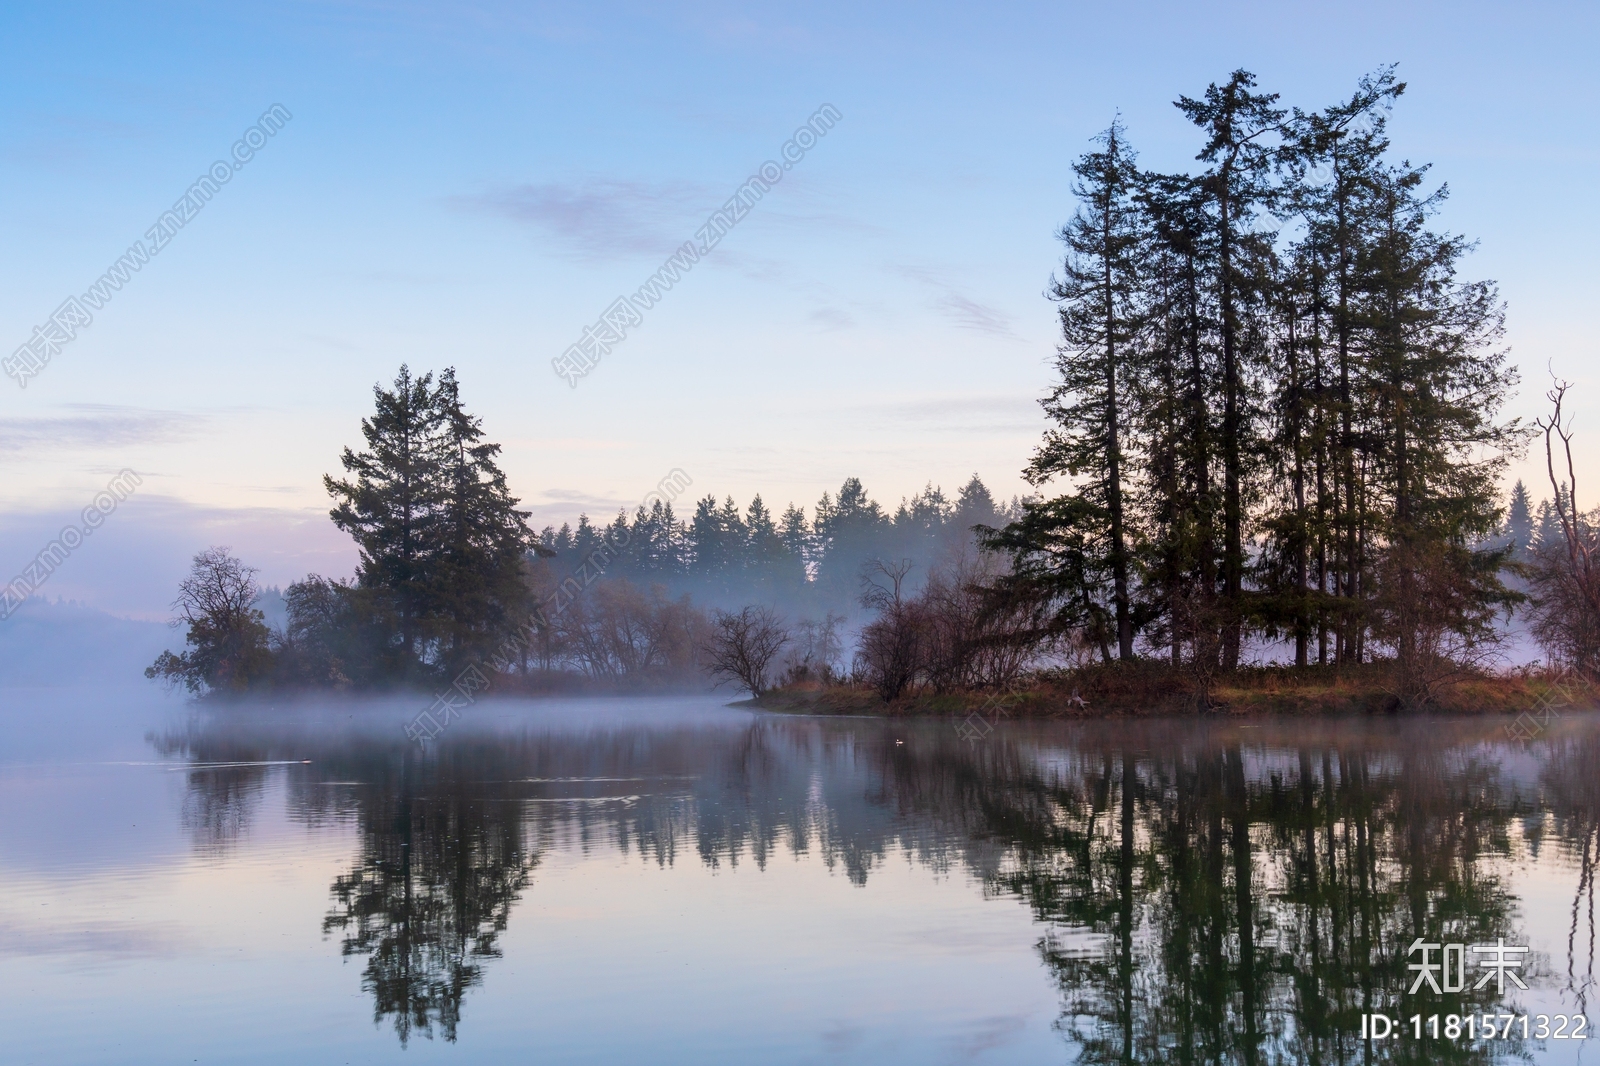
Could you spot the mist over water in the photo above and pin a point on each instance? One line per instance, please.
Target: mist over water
(681, 880)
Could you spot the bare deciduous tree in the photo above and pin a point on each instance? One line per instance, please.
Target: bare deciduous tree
(972, 638)
(890, 653)
(1566, 576)
(814, 650)
(227, 636)
(743, 646)
(619, 632)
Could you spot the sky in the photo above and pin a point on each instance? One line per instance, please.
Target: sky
(471, 184)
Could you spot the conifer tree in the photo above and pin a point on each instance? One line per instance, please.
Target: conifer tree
(1435, 381)
(483, 539)
(1175, 378)
(848, 533)
(974, 506)
(1333, 158)
(1325, 407)
(763, 547)
(795, 533)
(393, 504)
(1239, 124)
(442, 543)
(1519, 522)
(1098, 293)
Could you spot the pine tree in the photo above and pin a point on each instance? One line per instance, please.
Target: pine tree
(442, 543)
(1334, 399)
(1547, 535)
(1099, 319)
(848, 533)
(1175, 379)
(655, 548)
(707, 544)
(1519, 522)
(1436, 382)
(1284, 566)
(1057, 575)
(1238, 123)
(1342, 146)
(585, 539)
(477, 588)
(974, 506)
(735, 538)
(795, 534)
(393, 506)
(764, 549)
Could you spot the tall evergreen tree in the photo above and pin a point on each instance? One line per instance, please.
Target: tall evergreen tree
(441, 540)
(1547, 535)
(1333, 399)
(847, 532)
(1334, 158)
(1519, 521)
(795, 533)
(393, 504)
(483, 539)
(1436, 382)
(1290, 527)
(1175, 380)
(1239, 125)
(1098, 293)
(763, 547)
(716, 544)
(974, 506)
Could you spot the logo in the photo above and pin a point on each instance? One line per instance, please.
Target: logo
(1498, 961)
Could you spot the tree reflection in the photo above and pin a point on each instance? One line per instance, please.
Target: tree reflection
(430, 892)
(1206, 894)
(1572, 792)
(443, 853)
(1213, 904)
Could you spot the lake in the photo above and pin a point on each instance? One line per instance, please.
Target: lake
(681, 881)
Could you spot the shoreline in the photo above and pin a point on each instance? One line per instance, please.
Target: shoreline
(1144, 692)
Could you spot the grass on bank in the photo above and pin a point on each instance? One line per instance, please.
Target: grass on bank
(1152, 689)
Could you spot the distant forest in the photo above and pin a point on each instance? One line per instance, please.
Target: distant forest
(1277, 421)
(728, 558)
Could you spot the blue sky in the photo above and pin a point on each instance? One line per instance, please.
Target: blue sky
(472, 184)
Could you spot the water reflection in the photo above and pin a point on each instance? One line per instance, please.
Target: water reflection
(429, 892)
(1251, 908)
(1205, 893)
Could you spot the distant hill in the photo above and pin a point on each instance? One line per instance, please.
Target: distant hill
(65, 643)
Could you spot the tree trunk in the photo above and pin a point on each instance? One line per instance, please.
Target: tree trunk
(1119, 552)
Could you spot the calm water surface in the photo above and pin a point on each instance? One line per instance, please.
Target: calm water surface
(671, 881)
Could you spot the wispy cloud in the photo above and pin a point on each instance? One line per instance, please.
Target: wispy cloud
(86, 426)
(832, 318)
(969, 314)
(603, 218)
(959, 307)
(598, 218)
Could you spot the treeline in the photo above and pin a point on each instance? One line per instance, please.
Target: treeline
(451, 577)
(728, 557)
(1278, 406)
